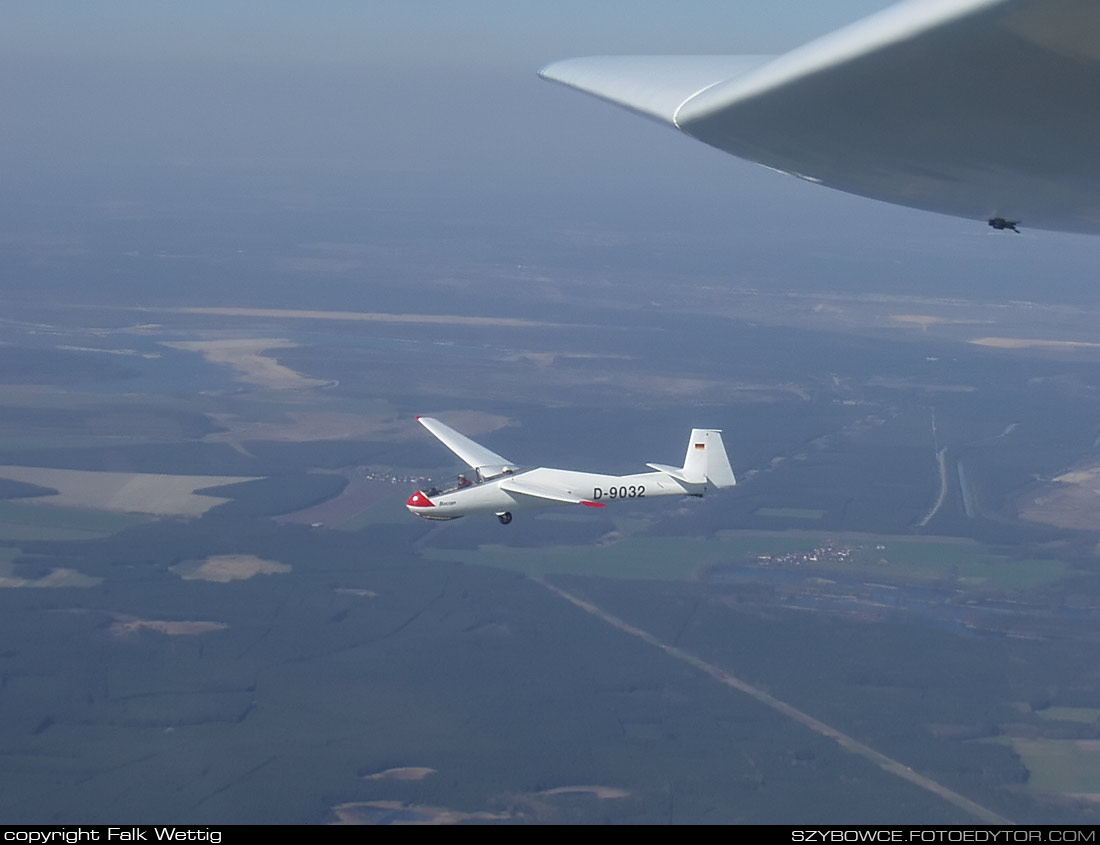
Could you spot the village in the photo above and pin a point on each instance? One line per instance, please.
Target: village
(827, 553)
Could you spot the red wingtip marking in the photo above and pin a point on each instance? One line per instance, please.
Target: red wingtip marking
(594, 504)
(419, 500)
(418, 416)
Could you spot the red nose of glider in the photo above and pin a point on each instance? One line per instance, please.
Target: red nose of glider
(419, 500)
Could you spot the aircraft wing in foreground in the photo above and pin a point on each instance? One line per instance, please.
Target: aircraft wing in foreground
(501, 487)
(985, 109)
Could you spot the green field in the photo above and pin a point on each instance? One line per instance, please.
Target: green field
(21, 521)
(969, 562)
(384, 512)
(658, 558)
(1060, 765)
(791, 513)
(679, 558)
(1081, 715)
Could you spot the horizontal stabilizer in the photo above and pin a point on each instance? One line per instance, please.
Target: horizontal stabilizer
(678, 473)
(526, 488)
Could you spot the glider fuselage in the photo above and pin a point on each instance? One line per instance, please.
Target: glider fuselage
(593, 490)
(502, 487)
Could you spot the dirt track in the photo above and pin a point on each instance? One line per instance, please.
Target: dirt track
(846, 742)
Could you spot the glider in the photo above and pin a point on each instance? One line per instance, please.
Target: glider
(501, 487)
(983, 109)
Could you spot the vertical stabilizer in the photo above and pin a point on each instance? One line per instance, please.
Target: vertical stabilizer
(695, 461)
(716, 464)
(705, 461)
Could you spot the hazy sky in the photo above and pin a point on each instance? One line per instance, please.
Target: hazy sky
(440, 101)
(422, 85)
(434, 33)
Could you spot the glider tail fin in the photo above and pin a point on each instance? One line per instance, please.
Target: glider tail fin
(705, 462)
(706, 459)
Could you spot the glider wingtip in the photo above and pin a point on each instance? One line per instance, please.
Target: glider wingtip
(553, 70)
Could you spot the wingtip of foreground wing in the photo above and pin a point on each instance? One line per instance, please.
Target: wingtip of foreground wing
(547, 71)
(655, 86)
(561, 70)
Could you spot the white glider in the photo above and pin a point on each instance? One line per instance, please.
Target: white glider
(984, 109)
(501, 487)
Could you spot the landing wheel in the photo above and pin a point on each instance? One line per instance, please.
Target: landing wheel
(504, 518)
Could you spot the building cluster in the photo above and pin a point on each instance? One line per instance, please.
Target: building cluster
(369, 474)
(826, 553)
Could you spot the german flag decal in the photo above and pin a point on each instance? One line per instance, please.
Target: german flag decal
(700, 446)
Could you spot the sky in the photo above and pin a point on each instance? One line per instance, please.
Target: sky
(440, 103)
(152, 80)
(427, 33)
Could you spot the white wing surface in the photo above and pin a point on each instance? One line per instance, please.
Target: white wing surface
(986, 109)
(538, 491)
(655, 86)
(476, 456)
